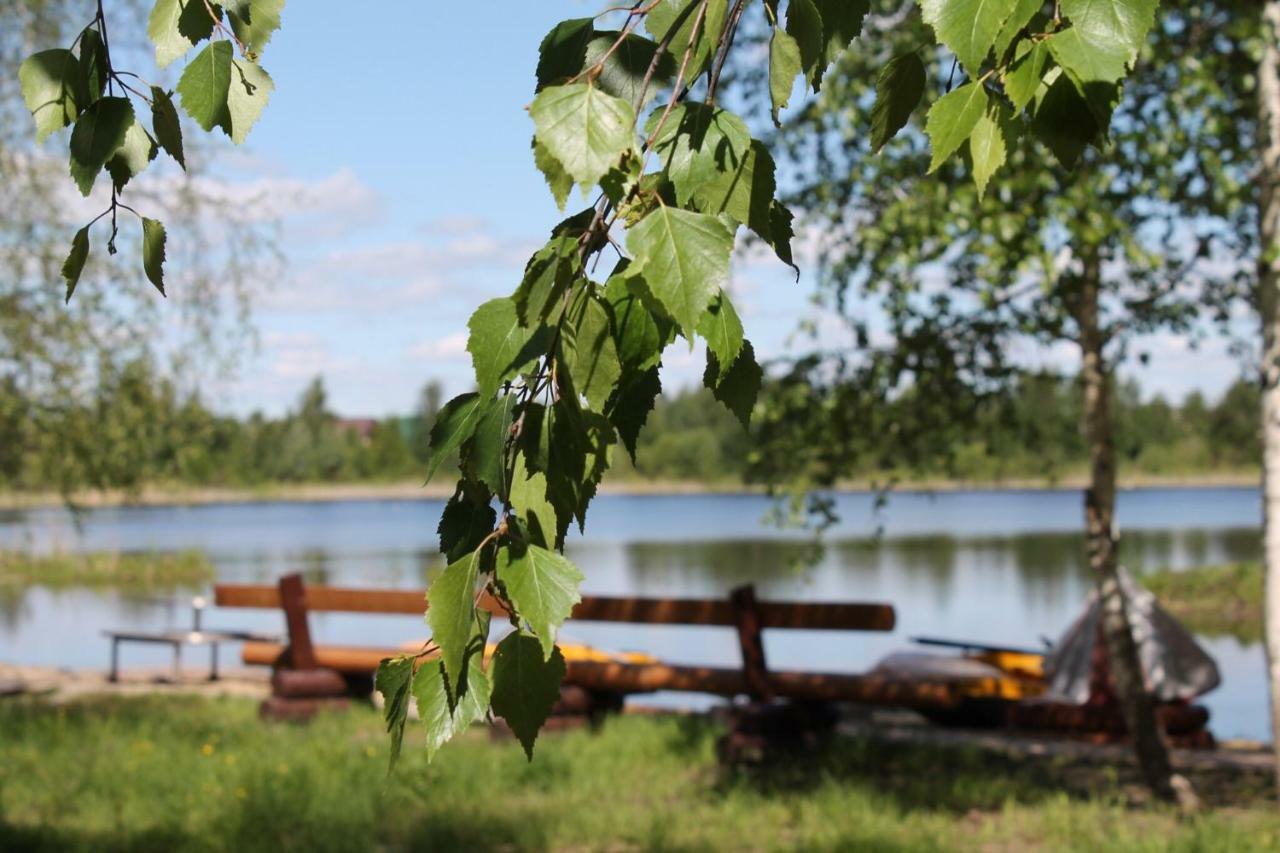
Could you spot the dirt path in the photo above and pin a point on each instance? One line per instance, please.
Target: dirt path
(65, 685)
(905, 727)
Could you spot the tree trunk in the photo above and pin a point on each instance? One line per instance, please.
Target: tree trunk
(1269, 308)
(1100, 501)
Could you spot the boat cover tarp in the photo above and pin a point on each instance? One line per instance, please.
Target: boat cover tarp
(1174, 665)
(914, 666)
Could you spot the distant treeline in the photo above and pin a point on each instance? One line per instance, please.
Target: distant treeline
(138, 429)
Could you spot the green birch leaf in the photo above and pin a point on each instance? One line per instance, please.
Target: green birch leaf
(684, 258)
(526, 685)
(781, 233)
(93, 65)
(74, 264)
(99, 132)
(952, 118)
(699, 144)
(153, 240)
(632, 406)
(205, 84)
(987, 149)
(722, 329)
(743, 189)
(254, 21)
(804, 24)
(1063, 120)
(455, 424)
(543, 586)
(529, 500)
(550, 270)
(176, 26)
(641, 336)
(451, 611)
(133, 156)
(621, 179)
(500, 346)
(1112, 25)
(899, 88)
(841, 24)
(784, 67)
(1023, 79)
(1022, 14)
(393, 680)
(53, 89)
(739, 386)
(563, 52)
(164, 121)
(535, 437)
(583, 128)
(467, 519)
(968, 27)
(484, 454)
(443, 720)
(589, 351)
(663, 18)
(623, 72)
(558, 180)
(247, 97)
(1085, 62)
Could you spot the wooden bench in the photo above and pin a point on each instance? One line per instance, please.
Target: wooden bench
(740, 611)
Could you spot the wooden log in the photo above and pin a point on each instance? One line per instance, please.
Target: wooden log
(307, 683)
(675, 611)
(352, 660)
(648, 678)
(282, 708)
(293, 602)
(746, 612)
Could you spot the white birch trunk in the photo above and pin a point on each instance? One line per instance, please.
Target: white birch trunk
(1269, 307)
(1136, 702)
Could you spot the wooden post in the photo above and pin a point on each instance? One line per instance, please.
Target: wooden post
(747, 618)
(293, 600)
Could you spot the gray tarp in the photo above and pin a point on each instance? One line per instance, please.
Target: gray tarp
(1174, 665)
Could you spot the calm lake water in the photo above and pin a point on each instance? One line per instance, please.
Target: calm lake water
(993, 566)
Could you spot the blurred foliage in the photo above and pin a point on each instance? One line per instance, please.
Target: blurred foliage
(135, 572)
(942, 293)
(162, 436)
(62, 365)
(1215, 601)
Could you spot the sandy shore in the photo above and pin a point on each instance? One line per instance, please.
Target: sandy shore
(413, 490)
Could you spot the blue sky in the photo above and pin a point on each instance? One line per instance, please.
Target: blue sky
(396, 149)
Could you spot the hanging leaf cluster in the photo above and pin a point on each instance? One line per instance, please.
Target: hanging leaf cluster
(119, 122)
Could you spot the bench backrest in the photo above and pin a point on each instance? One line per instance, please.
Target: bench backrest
(657, 611)
(741, 611)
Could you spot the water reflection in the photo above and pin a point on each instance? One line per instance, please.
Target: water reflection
(1043, 564)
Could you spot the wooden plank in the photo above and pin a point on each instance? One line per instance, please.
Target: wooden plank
(671, 611)
(648, 678)
(293, 603)
(746, 612)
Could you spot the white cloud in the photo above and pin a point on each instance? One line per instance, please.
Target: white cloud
(450, 347)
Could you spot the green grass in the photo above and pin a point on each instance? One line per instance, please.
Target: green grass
(1213, 600)
(195, 774)
(131, 571)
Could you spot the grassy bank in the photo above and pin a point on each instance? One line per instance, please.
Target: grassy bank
(190, 774)
(128, 571)
(1213, 600)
